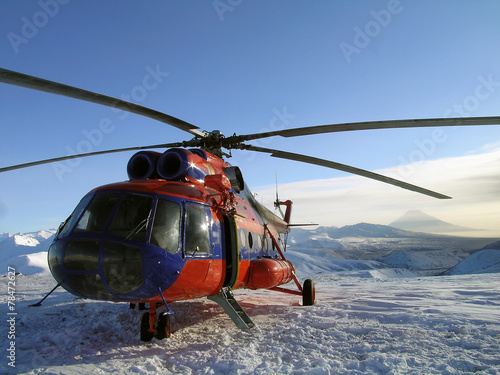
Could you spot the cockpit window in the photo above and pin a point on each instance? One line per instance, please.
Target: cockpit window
(95, 217)
(197, 231)
(166, 226)
(132, 218)
(70, 221)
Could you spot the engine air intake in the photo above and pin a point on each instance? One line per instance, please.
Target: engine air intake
(142, 165)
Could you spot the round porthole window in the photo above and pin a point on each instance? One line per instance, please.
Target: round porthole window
(250, 240)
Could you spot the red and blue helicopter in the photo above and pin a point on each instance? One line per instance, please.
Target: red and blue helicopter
(185, 225)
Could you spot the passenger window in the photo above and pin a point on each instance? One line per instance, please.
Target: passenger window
(166, 226)
(132, 218)
(96, 216)
(197, 231)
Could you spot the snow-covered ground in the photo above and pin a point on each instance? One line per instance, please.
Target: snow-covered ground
(370, 318)
(431, 325)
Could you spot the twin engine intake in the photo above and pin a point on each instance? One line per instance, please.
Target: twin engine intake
(179, 164)
(173, 165)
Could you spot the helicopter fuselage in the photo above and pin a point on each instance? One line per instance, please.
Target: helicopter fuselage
(145, 240)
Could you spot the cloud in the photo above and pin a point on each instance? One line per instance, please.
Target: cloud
(473, 181)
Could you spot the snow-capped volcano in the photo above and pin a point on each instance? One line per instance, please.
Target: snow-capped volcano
(419, 221)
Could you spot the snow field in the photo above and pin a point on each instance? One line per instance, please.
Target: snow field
(427, 325)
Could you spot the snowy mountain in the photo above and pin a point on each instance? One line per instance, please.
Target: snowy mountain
(483, 261)
(364, 230)
(27, 253)
(427, 262)
(419, 221)
(367, 230)
(372, 242)
(495, 245)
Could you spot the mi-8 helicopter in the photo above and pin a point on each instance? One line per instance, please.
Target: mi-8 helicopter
(185, 225)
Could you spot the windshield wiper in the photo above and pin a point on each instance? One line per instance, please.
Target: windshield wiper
(139, 227)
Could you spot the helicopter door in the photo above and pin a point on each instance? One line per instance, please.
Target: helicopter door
(231, 251)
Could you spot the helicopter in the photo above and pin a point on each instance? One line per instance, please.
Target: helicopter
(185, 225)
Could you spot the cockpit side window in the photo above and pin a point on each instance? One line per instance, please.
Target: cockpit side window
(132, 218)
(197, 231)
(96, 216)
(167, 226)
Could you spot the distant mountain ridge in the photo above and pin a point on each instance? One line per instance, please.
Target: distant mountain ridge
(370, 230)
(352, 247)
(361, 230)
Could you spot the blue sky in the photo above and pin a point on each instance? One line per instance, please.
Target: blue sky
(247, 66)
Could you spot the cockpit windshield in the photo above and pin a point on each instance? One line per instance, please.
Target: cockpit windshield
(132, 218)
(130, 221)
(128, 215)
(96, 216)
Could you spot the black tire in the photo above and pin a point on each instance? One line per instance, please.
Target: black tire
(145, 334)
(308, 293)
(163, 328)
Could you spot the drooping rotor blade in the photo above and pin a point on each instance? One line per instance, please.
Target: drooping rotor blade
(62, 158)
(370, 125)
(345, 168)
(24, 80)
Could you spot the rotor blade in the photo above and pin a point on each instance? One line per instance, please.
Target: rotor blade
(370, 125)
(345, 168)
(27, 81)
(62, 158)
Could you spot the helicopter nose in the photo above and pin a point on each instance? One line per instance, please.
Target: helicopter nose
(97, 269)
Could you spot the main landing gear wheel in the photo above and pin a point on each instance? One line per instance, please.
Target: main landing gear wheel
(146, 335)
(308, 293)
(163, 328)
